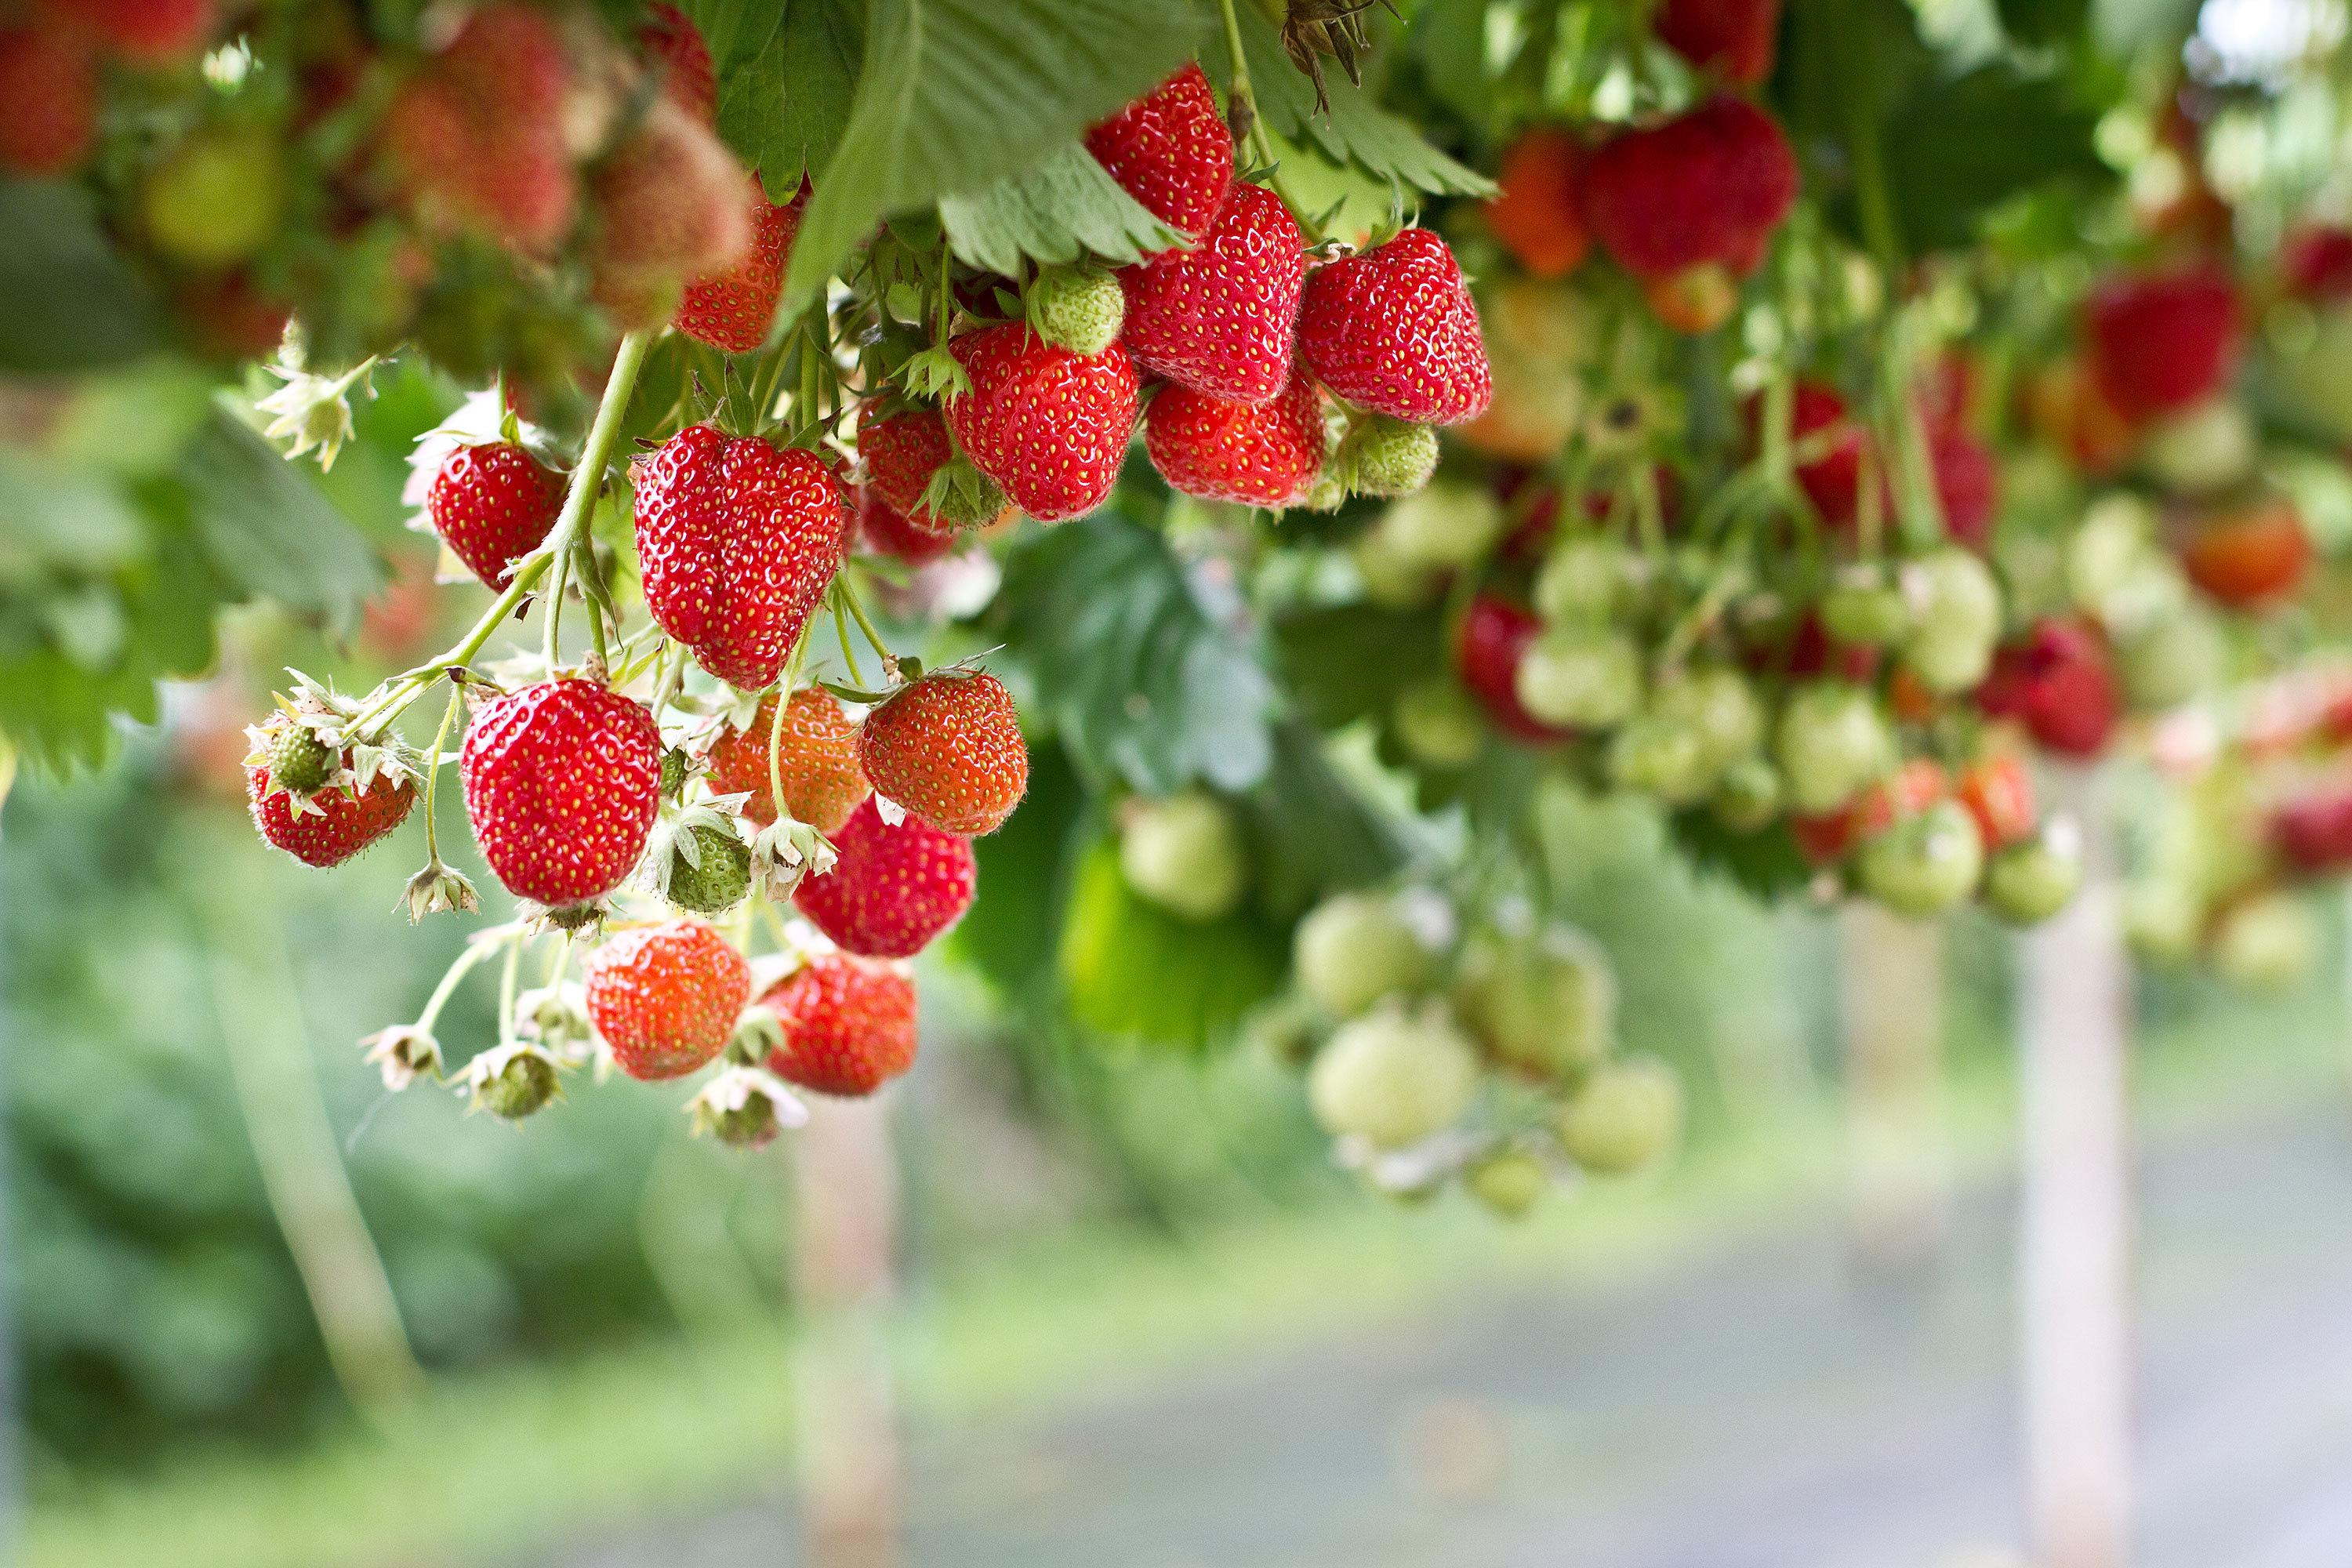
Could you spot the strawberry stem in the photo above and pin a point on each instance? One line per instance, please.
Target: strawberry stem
(1261, 140)
(849, 595)
(433, 773)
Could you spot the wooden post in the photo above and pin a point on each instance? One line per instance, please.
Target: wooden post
(2074, 1300)
(847, 1196)
(1891, 1018)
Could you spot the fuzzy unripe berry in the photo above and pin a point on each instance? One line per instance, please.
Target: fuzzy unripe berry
(1080, 311)
(2203, 450)
(1956, 619)
(1507, 1183)
(217, 198)
(1865, 615)
(721, 879)
(1582, 580)
(1354, 949)
(1925, 864)
(1545, 1007)
(1184, 854)
(2267, 943)
(2100, 557)
(1661, 756)
(1627, 1114)
(1443, 525)
(299, 761)
(520, 1089)
(2030, 882)
(1718, 703)
(1439, 724)
(1748, 796)
(1832, 741)
(1392, 1078)
(2173, 659)
(1384, 456)
(1581, 679)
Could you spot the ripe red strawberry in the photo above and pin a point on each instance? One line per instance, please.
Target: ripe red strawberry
(1539, 214)
(1170, 150)
(1394, 330)
(900, 453)
(1049, 426)
(1705, 190)
(1967, 483)
(1493, 637)
(147, 30)
(48, 109)
(893, 889)
(1998, 793)
(2315, 263)
(1220, 318)
(670, 40)
(1225, 451)
(737, 539)
(563, 781)
(817, 763)
(883, 529)
(492, 503)
(732, 310)
(1831, 482)
(477, 137)
(666, 998)
(1734, 38)
(2060, 684)
(949, 749)
(344, 823)
(2314, 832)
(2160, 342)
(848, 1024)
(2250, 554)
(670, 209)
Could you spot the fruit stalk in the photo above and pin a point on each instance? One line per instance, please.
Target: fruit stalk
(1260, 140)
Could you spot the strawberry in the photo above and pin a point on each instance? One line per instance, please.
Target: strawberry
(150, 31)
(1223, 451)
(1049, 426)
(1170, 150)
(48, 108)
(737, 539)
(1706, 190)
(2252, 554)
(734, 309)
(477, 137)
(670, 209)
(948, 747)
(1394, 330)
(817, 763)
(1494, 639)
(1075, 309)
(669, 39)
(2314, 832)
(1998, 793)
(2059, 684)
(2160, 342)
(666, 998)
(1827, 838)
(900, 452)
(1219, 318)
(493, 503)
(891, 890)
(848, 1024)
(883, 529)
(1734, 38)
(1539, 215)
(1831, 482)
(333, 824)
(216, 198)
(2315, 263)
(1967, 483)
(563, 781)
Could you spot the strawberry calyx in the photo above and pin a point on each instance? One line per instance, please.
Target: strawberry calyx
(745, 1105)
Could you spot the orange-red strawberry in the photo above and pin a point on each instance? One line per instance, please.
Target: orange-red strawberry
(1220, 318)
(1170, 150)
(1394, 330)
(1538, 214)
(1706, 190)
(670, 209)
(1998, 793)
(145, 30)
(1225, 451)
(331, 824)
(2161, 342)
(948, 747)
(2060, 683)
(848, 1024)
(817, 762)
(900, 452)
(732, 310)
(666, 998)
(1734, 38)
(563, 782)
(48, 109)
(669, 39)
(477, 137)
(1827, 838)
(884, 529)
(737, 539)
(492, 503)
(891, 890)
(2249, 555)
(1049, 426)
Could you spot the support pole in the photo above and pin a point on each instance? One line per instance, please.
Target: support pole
(1891, 1015)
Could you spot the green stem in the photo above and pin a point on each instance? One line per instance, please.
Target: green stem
(841, 631)
(588, 593)
(481, 947)
(857, 610)
(1879, 227)
(507, 979)
(1261, 140)
(775, 741)
(579, 505)
(433, 774)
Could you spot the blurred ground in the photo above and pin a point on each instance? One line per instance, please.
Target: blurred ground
(1760, 1408)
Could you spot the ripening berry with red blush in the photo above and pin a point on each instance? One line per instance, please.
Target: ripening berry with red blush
(1493, 637)
(666, 998)
(1222, 451)
(2158, 343)
(1538, 214)
(1693, 203)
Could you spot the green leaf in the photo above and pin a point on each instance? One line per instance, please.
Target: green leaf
(1055, 213)
(2037, 22)
(72, 304)
(956, 94)
(1131, 969)
(266, 529)
(785, 91)
(1355, 131)
(1766, 864)
(1348, 662)
(1010, 933)
(1143, 683)
(1311, 834)
(1450, 36)
(1959, 146)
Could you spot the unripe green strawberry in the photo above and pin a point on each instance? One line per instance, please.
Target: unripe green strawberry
(674, 765)
(1384, 456)
(2203, 450)
(1627, 1114)
(2267, 943)
(1925, 864)
(724, 874)
(1956, 611)
(1354, 949)
(1748, 796)
(1392, 1078)
(1080, 311)
(2163, 919)
(1444, 524)
(1832, 741)
(216, 199)
(1581, 679)
(1390, 579)
(1865, 615)
(520, 1089)
(2030, 882)
(299, 761)
(1717, 702)
(1583, 581)
(1184, 854)
(1439, 723)
(1661, 756)
(1545, 1007)
(2114, 534)
(1507, 1183)
(2173, 659)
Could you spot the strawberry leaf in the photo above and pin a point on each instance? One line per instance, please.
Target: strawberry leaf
(1130, 968)
(785, 91)
(1055, 213)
